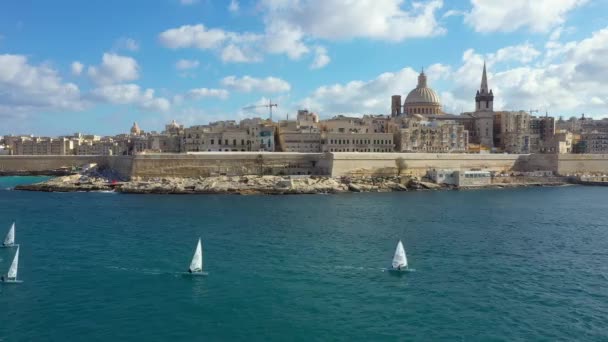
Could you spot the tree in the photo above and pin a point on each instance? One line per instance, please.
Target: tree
(401, 165)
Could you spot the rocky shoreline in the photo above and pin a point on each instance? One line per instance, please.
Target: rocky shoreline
(250, 185)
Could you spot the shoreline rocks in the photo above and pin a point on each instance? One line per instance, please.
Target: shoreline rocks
(254, 185)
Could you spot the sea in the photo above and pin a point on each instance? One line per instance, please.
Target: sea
(528, 264)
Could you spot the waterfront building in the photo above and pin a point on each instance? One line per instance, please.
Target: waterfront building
(302, 135)
(592, 142)
(417, 134)
(357, 142)
(300, 141)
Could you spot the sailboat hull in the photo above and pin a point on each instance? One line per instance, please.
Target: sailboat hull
(196, 274)
(12, 281)
(9, 245)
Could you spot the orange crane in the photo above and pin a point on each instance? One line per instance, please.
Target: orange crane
(269, 106)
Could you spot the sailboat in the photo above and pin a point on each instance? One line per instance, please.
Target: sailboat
(9, 240)
(196, 265)
(399, 260)
(11, 276)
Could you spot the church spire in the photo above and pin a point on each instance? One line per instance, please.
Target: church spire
(484, 99)
(484, 80)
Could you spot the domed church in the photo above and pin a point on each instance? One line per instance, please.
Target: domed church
(422, 99)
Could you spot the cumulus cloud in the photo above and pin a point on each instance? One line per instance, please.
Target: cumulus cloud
(114, 69)
(508, 16)
(290, 26)
(359, 97)
(77, 68)
(199, 93)
(193, 36)
(379, 19)
(572, 82)
(235, 54)
(186, 64)
(26, 88)
(248, 84)
(130, 94)
(321, 58)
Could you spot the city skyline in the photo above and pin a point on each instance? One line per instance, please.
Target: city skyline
(204, 61)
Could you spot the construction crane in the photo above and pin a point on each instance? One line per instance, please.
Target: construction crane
(269, 106)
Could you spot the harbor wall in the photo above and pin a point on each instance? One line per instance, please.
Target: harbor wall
(204, 164)
(571, 164)
(388, 164)
(41, 164)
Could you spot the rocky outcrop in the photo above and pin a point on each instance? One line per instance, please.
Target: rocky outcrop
(244, 185)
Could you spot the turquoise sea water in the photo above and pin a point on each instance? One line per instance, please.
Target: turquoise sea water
(491, 265)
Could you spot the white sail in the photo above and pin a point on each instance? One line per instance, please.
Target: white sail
(9, 240)
(12, 272)
(399, 260)
(197, 260)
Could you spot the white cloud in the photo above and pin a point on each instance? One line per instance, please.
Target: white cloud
(235, 54)
(128, 44)
(248, 84)
(193, 36)
(114, 69)
(77, 68)
(337, 20)
(524, 53)
(130, 94)
(572, 82)
(321, 58)
(358, 97)
(282, 37)
(234, 6)
(508, 16)
(206, 92)
(290, 25)
(185, 64)
(26, 88)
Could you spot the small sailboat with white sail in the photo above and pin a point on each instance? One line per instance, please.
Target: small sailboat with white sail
(399, 259)
(11, 276)
(196, 265)
(9, 239)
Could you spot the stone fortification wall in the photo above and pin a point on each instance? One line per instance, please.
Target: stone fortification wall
(334, 164)
(19, 164)
(389, 164)
(571, 164)
(204, 164)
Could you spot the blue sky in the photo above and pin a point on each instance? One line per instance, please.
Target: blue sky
(97, 66)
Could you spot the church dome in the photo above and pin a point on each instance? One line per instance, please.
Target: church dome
(422, 99)
(422, 94)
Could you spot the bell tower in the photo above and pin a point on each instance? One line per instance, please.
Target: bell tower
(484, 99)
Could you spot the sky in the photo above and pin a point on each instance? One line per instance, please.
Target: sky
(71, 66)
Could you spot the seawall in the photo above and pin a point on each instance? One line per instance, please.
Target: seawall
(206, 164)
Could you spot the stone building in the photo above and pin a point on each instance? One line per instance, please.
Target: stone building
(357, 142)
(300, 141)
(593, 142)
(42, 146)
(416, 134)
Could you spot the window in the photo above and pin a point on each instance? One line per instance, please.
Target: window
(212, 141)
(226, 143)
(233, 142)
(242, 142)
